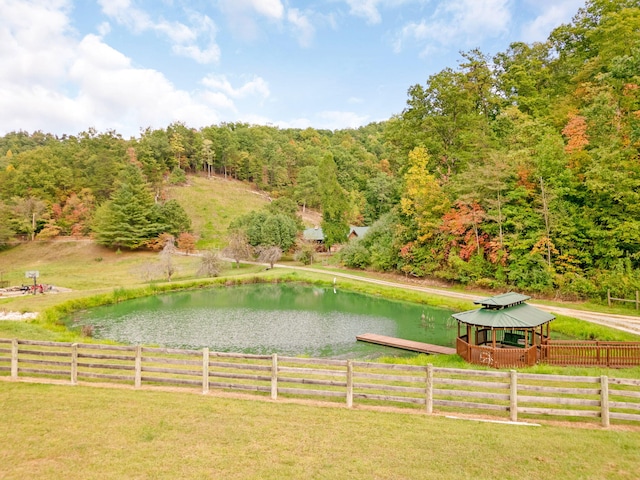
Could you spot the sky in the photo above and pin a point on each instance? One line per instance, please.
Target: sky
(127, 65)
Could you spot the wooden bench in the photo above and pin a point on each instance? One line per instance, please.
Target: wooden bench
(513, 339)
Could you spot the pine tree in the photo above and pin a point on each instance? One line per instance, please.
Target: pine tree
(334, 203)
(128, 219)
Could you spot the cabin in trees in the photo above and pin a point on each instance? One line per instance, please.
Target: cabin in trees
(503, 332)
(316, 236)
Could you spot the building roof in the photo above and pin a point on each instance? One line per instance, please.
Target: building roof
(359, 231)
(503, 300)
(313, 234)
(511, 312)
(316, 234)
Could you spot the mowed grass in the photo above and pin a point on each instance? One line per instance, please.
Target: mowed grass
(78, 265)
(212, 203)
(64, 432)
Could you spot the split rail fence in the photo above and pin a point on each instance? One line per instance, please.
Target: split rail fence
(510, 394)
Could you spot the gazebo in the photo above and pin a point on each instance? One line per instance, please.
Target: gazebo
(503, 332)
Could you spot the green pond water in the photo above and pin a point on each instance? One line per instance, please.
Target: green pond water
(287, 319)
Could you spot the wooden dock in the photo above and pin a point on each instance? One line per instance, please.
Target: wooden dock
(405, 344)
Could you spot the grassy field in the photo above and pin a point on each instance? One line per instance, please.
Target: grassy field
(212, 203)
(63, 432)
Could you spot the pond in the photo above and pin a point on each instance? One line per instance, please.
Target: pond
(288, 319)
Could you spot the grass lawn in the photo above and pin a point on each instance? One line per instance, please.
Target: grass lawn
(64, 432)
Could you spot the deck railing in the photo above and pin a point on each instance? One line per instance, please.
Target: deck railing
(554, 352)
(504, 357)
(517, 395)
(591, 353)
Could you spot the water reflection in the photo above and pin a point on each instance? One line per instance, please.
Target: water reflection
(287, 319)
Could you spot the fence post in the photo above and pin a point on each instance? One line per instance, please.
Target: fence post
(428, 401)
(138, 367)
(14, 359)
(513, 396)
(74, 364)
(604, 400)
(349, 383)
(637, 299)
(274, 376)
(608, 297)
(205, 370)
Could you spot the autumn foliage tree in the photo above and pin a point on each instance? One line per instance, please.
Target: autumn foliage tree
(186, 242)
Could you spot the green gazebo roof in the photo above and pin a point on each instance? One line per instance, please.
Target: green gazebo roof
(503, 300)
(505, 311)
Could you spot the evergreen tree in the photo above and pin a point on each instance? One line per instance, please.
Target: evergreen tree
(128, 219)
(174, 217)
(334, 203)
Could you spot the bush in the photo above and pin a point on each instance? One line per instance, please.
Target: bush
(305, 254)
(531, 273)
(177, 177)
(211, 264)
(355, 255)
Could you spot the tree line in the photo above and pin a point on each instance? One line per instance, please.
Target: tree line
(519, 170)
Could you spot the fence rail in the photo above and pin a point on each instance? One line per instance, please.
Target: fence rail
(591, 353)
(512, 394)
(635, 300)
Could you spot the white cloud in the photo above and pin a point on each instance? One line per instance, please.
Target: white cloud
(335, 120)
(370, 9)
(104, 29)
(269, 8)
(302, 26)
(53, 81)
(218, 100)
(463, 23)
(366, 9)
(256, 87)
(35, 47)
(294, 123)
(117, 95)
(331, 120)
(551, 14)
(186, 39)
(241, 15)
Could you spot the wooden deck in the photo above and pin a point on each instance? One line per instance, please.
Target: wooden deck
(405, 344)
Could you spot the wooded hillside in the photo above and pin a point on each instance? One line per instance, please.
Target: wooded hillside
(518, 171)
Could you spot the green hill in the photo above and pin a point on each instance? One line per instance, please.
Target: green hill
(212, 203)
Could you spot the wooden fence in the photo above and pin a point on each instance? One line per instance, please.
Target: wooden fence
(635, 300)
(510, 394)
(590, 353)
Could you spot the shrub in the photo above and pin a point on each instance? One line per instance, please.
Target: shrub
(355, 255)
(305, 254)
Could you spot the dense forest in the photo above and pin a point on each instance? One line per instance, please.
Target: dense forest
(517, 171)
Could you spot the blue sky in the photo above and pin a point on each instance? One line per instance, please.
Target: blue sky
(130, 64)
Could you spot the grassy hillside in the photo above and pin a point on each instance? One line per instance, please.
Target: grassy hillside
(212, 203)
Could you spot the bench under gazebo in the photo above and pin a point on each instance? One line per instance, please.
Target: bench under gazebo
(503, 332)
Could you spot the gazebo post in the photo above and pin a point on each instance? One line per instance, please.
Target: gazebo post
(493, 337)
